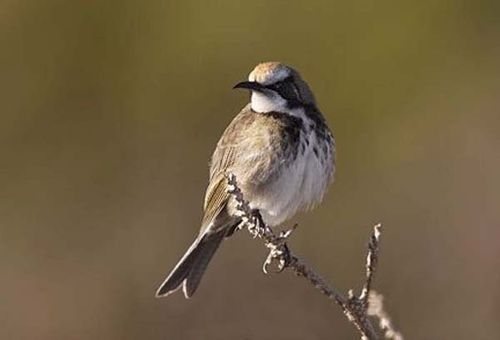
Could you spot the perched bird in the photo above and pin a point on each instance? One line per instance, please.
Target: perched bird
(282, 153)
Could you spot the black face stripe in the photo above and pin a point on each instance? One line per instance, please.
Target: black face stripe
(286, 88)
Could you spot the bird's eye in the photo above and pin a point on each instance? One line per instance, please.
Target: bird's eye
(280, 87)
(286, 90)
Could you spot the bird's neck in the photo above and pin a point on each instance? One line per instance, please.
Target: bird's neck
(264, 104)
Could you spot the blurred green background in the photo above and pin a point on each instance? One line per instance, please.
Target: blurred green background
(110, 112)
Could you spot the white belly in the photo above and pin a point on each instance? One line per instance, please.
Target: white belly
(300, 186)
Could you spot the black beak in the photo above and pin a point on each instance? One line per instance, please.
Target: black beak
(250, 85)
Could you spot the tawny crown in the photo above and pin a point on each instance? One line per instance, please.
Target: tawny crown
(273, 72)
(269, 73)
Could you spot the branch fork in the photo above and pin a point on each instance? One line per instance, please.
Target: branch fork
(358, 309)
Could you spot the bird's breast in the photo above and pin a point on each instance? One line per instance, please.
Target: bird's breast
(299, 179)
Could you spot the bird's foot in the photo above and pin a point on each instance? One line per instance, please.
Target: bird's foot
(256, 226)
(279, 254)
(279, 251)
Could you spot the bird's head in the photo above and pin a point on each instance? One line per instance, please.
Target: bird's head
(277, 87)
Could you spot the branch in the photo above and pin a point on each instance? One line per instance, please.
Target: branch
(355, 308)
(376, 309)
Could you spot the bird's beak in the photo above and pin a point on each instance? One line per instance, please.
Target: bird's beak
(250, 85)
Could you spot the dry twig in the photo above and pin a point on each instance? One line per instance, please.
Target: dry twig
(356, 308)
(376, 309)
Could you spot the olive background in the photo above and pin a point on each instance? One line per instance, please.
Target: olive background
(110, 111)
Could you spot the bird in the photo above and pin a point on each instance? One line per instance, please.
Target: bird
(282, 154)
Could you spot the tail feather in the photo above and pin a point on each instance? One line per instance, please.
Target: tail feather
(206, 252)
(189, 270)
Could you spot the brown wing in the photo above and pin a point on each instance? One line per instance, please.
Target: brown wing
(234, 142)
(216, 199)
(231, 143)
(252, 148)
(216, 196)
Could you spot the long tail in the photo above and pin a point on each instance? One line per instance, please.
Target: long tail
(189, 270)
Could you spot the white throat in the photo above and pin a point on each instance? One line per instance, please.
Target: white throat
(263, 104)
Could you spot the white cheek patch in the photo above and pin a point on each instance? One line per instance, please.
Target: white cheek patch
(263, 103)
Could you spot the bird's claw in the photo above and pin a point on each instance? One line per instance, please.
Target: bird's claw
(279, 251)
(286, 233)
(281, 254)
(257, 227)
